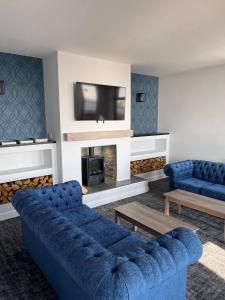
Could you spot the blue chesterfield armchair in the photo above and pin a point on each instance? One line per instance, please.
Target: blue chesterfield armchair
(86, 256)
(198, 176)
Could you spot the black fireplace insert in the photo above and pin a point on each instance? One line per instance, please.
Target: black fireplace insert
(92, 168)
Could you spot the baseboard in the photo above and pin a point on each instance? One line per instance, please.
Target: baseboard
(7, 211)
(115, 194)
(153, 175)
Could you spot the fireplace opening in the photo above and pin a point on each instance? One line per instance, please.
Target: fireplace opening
(92, 168)
(98, 165)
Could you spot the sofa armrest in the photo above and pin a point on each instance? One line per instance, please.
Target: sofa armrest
(147, 268)
(161, 259)
(183, 244)
(178, 171)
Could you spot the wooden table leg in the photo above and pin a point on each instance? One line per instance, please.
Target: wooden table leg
(224, 231)
(167, 206)
(134, 227)
(117, 219)
(179, 209)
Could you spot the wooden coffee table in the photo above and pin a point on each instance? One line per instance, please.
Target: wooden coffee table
(148, 219)
(198, 202)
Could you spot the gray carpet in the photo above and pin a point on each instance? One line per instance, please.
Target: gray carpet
(21, 279)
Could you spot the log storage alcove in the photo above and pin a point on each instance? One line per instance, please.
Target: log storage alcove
(147, 165)
(8, 189)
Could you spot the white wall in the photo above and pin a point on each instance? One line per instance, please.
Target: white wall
(61, 71)
(192, 109)
(73, 68)
(50, 68)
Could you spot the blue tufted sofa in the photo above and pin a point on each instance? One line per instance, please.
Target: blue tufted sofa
(198, 176)
(86, 256)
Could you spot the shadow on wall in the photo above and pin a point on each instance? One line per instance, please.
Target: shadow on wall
(144, 115)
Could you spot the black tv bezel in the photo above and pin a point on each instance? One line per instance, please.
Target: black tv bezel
(96, 84)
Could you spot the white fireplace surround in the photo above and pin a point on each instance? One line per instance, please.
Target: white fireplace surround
(71, 160)
(61, 71)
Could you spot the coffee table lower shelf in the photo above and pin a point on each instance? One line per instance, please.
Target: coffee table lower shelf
(148, 219)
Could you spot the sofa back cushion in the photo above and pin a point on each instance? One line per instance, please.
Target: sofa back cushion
(209, 171)
(60, 196)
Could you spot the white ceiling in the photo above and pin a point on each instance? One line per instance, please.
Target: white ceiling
(155, 36)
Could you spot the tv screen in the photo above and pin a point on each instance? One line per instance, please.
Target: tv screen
(99, 102)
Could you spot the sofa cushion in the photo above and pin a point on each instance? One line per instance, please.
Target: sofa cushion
(105, 231)
(80, 215)
(129, 243)
(191, 184)
(216, 191)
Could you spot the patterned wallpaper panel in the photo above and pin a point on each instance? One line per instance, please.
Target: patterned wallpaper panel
(22, 108)
(144, 115)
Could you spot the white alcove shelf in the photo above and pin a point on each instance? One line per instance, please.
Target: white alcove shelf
(144, 147)
(26, 161)
(151, 146)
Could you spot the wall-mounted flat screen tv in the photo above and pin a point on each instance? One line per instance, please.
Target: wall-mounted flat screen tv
(99, 102)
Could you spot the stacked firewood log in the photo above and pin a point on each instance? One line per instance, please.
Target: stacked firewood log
(7, 190)
(147, 165)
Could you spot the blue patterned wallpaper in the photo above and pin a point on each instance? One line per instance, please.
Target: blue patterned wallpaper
(22, 108)
(144, 115)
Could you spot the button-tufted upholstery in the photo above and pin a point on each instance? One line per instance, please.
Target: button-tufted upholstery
(86, 256)
(209, 171)
(198, 176)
